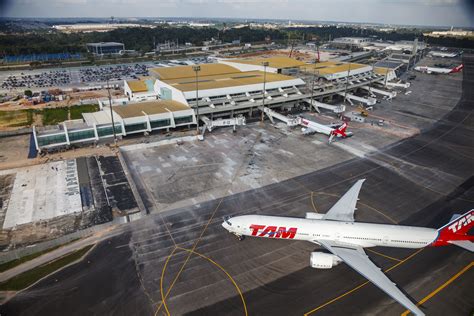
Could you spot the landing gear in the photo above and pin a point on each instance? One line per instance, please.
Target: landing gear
(240, 237)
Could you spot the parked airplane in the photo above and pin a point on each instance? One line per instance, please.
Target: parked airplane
(436, 70)
(443, 54)
(310, 127)
(345, 239)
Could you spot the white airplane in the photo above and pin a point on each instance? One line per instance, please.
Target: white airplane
(437, 70)
(346, 239)
(443, 54)
(310, 127)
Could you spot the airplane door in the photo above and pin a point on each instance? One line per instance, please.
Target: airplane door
(385, 240)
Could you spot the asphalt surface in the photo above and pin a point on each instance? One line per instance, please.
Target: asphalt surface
(420, 181)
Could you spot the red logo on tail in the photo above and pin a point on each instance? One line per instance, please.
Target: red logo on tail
(457, 69)
(341, 130)
(457, 229)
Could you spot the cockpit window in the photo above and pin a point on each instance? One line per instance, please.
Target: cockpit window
(226, 219)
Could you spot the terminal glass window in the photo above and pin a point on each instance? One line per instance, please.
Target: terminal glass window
(51, 139)
(107, 131)
(160, 123)
(135, 127)
(81, 135)
(183, 120)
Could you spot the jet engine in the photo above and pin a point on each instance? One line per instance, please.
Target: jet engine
(321, 260)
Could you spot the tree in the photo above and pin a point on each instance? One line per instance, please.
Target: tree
(28, 93)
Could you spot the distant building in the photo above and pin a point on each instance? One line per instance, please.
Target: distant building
(350, 42)
(93, 27)
(452, 33)
(105, 48)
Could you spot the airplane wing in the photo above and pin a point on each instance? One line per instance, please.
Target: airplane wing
(355, 257)
(344, 209)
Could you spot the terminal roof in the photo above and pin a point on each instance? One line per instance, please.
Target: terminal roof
(225, 80)
(137, 85)
(178, 72)
(331, 67)
(273, 62)
(149, 107)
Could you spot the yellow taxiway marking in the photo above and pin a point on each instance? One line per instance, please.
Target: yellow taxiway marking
(312, 202)
(161, 280)
(361, 285)
(163, 301)
(223, 270)
(441, 287)
(382, 255)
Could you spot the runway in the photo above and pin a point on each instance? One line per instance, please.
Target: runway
(182, 262)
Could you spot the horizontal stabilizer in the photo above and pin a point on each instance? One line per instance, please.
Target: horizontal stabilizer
(466, 244)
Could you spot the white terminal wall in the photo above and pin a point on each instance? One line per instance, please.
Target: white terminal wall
(244, 88)
(343, 74)
(176, 94)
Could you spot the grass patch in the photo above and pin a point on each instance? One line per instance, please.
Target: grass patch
(13, 263)
(77, 110)
(53, 116)
(16, 118)
(29, 277)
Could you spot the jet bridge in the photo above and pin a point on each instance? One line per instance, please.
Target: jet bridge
(290, 121)
(335, 108)
(388, 94)
(369, 101)
(404, 85)
(211, 124)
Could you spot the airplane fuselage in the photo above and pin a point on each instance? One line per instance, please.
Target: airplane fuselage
(363, 234)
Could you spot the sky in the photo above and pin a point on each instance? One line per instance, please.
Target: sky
(405, 12)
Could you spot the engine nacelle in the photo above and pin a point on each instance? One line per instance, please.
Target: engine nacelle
(321, 260)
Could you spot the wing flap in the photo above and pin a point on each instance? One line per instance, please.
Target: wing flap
(344, 209)
(355, 257)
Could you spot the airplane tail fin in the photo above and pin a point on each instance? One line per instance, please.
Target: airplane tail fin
(458, 68)
(341, 130)
(456, 232)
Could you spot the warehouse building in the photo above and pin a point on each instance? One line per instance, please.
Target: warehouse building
(350, 42)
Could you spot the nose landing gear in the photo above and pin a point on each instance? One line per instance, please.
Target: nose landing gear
(239, 237)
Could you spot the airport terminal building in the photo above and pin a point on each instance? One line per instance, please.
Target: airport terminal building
(176, 96)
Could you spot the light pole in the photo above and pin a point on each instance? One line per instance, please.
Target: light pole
(265, 65)
(111, 113)
(197, 69)
(347, 83)
(312, 88)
